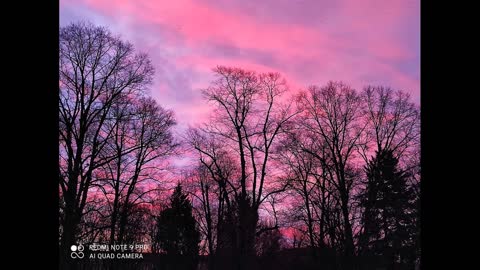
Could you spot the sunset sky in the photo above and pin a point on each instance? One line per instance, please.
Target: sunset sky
(308, 41)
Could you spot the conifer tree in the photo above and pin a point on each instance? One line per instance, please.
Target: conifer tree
(177, 229)
(388, 218)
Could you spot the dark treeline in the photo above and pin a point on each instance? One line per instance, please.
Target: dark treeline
(323, 178)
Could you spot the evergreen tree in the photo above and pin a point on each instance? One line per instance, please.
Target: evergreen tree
(177, 230)
(389, 217)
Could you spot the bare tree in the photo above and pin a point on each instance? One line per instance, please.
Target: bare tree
(96, 70)
(248, 118)
(315, 196)
(300, 167)
(145, 127)
(333, 115)
(203, 190)
(215, 176)
(394, 133)
(393, 121)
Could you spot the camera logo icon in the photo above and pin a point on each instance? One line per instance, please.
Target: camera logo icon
(77, 251)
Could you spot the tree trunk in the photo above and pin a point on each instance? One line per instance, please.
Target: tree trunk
(309, 221)
(349, 246)
(248, 218)
(68, 239)
(113, 221)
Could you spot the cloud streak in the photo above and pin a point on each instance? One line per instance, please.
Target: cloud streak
(309, 42)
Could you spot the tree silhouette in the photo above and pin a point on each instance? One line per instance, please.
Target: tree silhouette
(333, 117)
(392, 120)
(97, 70)
(259, 145)
(268, 242)
(219, 167)
(177, 228)
(249, 119)
(300, 169)
(389, 217)
(145, 127)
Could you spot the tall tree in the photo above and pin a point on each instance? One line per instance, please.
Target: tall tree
(96, 70)
(177, 229)
(388, 219)
(300, 167)
(219, 172)
(393, 124)
(146, 127)
(332, 114)
(249, 118)
(204, 192)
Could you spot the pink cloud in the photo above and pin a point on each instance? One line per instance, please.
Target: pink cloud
(309, 42)
(199, 23)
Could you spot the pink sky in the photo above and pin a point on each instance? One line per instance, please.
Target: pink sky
(307, 41)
